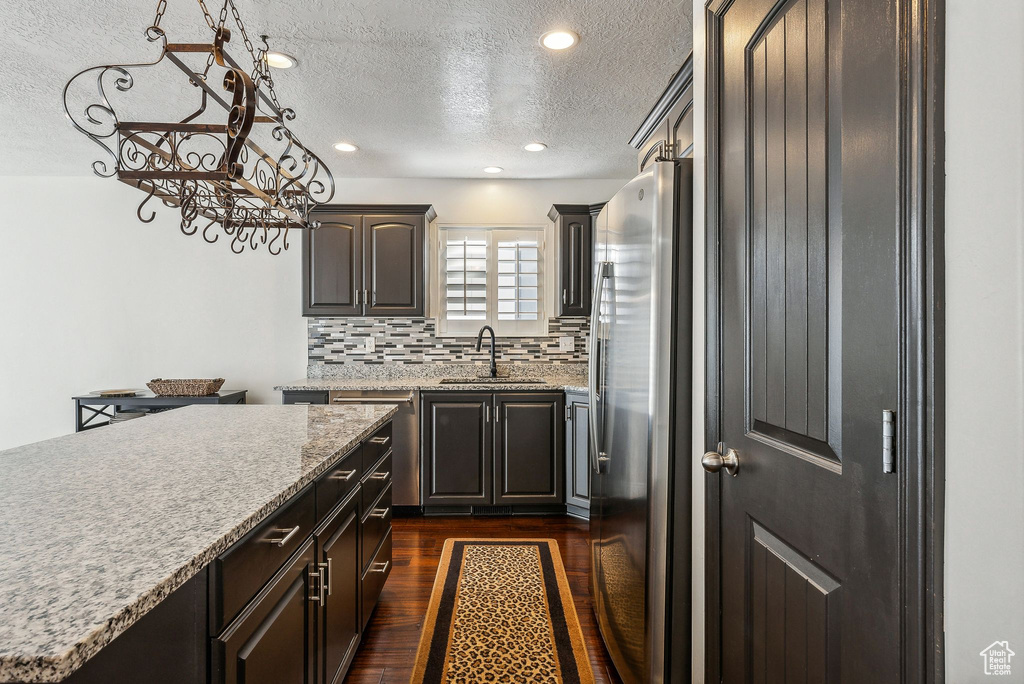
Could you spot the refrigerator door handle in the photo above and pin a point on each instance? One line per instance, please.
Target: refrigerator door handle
(594, 368)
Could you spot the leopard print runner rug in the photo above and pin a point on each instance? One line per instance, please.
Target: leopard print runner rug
(501, 611)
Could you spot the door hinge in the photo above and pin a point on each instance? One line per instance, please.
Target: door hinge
(888, 440)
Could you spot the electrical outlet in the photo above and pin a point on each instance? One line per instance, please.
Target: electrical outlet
(369, 344)
(567, 343)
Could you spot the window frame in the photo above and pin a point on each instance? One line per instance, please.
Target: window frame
(502, 328)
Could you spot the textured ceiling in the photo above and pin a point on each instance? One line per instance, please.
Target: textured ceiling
(435, 88)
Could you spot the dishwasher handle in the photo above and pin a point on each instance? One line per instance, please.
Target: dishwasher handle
(372, 400)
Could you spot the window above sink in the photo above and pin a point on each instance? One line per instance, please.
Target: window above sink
(492, 276)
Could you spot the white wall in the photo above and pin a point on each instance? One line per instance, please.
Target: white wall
(94, 299)
(984, 545)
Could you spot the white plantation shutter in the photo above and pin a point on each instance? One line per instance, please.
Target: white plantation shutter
(492, 277)
(465, 268)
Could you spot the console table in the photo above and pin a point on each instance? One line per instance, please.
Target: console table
(90, 407)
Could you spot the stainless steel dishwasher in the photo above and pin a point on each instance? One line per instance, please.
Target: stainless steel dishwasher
(405, 485)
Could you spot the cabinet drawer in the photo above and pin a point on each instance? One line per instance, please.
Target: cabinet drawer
(272, 640)
(374, 577)
(376, 523)
(374, 481)
(335, 483)
(238, 573)
(302, 397)
(376, 446)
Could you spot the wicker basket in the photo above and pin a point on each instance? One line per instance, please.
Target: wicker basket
(195, 387)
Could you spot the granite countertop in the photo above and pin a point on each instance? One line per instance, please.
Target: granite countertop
(552, 377)
(573, 384)
(101, 526)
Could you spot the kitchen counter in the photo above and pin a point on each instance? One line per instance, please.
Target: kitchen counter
(100, 526)
(551, 377)
(572, 384)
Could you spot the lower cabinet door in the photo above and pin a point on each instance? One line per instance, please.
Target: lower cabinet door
(456, 448)
(272, 639)
(528, 442)
(337, 544)
(577, 452)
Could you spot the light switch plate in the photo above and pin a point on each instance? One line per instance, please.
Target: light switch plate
(370, 345)
(566, 343)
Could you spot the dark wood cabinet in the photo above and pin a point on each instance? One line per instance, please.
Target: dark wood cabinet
(456, 447)
(528, 461)
(333, 265)
(667, 132)
(574, 226)
(365, 260)
(577, 453)
(306, 622)
(394, 265)
(492, 448)
(272, 641)
(303, 397)
(287, 603)
(337, 542)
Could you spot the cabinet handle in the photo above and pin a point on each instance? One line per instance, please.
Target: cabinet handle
(357, 297)
(380, 567)
(565, 296)
(366, 298)
(380, 475)
(284, 540)
(379, 512)
(343, 475)
(301, 403)
(379, 440)
(325, 579)
(496, 416)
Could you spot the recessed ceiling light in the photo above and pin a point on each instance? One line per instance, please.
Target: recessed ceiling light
(535, 147)
(345, 147)
(280, 60)
(559, 40)
(493, 169)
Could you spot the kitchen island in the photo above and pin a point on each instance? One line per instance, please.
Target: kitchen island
(159, 528)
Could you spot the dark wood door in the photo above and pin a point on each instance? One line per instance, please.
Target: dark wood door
(338, 553)
(456, 444)
(577, 451)
(577, 255)
(394, 265)
(808, 141)
(272, 640)
(332, 266)
(528, 461)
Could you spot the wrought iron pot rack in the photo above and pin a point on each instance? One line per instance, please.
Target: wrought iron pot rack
(216, 174)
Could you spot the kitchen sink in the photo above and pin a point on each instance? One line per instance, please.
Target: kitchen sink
(487, 379)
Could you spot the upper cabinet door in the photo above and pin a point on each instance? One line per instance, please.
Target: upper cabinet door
(394, 265)
(332, 266)
(577, 254)
(575, 226)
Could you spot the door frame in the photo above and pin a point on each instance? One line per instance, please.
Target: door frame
(921, 263)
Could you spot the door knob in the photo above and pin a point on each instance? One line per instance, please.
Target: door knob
(713, 461)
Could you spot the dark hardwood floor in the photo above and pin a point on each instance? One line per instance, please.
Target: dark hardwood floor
(389, 647)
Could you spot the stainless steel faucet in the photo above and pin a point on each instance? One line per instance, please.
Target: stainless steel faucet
(479, 343)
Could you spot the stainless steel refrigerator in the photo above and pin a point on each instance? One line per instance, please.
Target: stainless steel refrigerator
(640, 398)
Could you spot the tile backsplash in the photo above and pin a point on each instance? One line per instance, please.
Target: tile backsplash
(415, 341)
